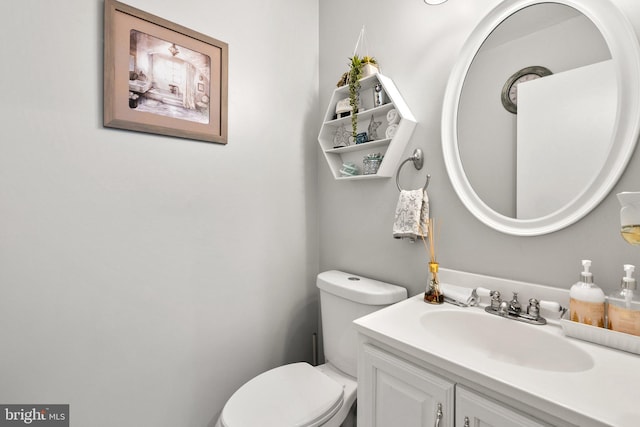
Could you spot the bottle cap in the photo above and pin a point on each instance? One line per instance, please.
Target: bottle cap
(628, 282)
(586, 276)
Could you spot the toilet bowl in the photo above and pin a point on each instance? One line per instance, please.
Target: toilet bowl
(292, 395)
(302, 395)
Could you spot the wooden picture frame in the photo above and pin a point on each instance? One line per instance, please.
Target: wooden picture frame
(163, 78)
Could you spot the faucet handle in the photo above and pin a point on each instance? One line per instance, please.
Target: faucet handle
(495, 300)
(553, 307)
(514, 304)
(534, 308)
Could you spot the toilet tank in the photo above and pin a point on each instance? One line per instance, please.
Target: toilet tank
(345, 297)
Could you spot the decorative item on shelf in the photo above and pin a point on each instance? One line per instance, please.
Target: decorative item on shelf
(369, 66)
(393, 118)
(355, 73)
(391, 131)
(341, 137)
(371, 163)
(361, 138)
(343, 108)
(359, 67)
(378, 95)
(369, 63)
(432, 295)
(373, 129)
(349, 169)
(343, 80)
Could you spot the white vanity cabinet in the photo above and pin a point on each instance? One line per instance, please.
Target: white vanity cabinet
(490, 370)
(474, 409)
(395, 392)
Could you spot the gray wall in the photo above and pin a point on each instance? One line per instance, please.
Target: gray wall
(416, 46)
(144, 278)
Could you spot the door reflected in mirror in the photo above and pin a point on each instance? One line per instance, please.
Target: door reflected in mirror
(534, 162)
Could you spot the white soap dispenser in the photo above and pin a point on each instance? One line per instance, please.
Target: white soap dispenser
(586, 303)
(624, 305)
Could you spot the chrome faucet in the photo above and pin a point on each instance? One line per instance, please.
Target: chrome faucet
(513, 309)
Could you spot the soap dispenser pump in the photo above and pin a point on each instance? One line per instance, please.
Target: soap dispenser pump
(586, 303)
(624, 305)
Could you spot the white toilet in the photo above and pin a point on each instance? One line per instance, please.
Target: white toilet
(301, 395)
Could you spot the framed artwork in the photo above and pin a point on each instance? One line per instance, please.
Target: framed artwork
(163, 78)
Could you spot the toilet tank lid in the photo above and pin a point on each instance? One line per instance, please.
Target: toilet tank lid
(360, 289)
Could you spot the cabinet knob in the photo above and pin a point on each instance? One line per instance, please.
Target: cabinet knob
(466, 422)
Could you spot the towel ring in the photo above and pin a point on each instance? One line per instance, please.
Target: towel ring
(418, 160)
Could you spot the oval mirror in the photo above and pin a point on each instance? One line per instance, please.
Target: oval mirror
(542, 113)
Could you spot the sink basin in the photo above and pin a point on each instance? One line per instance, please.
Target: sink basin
(505, 340)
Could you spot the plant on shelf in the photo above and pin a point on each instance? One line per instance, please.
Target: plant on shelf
(359, 67)
(353, 79)
(369, 66)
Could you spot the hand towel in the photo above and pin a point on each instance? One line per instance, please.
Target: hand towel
(393, 117)
(391, 131)
(412, 215)
(459, 295)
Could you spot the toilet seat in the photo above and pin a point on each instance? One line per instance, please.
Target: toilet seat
(291, 395)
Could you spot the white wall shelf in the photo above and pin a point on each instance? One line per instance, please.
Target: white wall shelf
(391, 148)
(366, 145)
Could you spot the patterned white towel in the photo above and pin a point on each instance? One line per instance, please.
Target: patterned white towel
(412, 215)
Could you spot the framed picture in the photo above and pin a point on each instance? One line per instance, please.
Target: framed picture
(163, 78)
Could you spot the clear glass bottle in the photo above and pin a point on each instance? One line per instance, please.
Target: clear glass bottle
(624, 305)
(371, 163)
(433, 295)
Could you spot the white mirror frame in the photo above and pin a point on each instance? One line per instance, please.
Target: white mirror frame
(623, 44)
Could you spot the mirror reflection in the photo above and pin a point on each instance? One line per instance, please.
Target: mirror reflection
(562, 129)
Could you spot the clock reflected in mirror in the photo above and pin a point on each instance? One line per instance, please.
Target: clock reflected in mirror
(510, 89)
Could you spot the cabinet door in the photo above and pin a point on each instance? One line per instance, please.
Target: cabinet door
(474, 410)
(393, 392)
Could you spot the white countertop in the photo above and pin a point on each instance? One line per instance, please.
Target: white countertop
(606, 392)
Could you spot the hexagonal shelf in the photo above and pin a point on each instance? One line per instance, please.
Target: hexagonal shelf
(390, 144)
